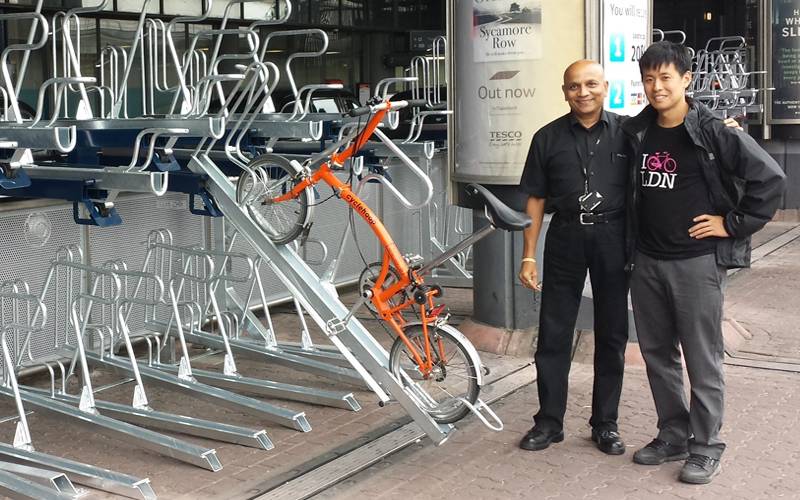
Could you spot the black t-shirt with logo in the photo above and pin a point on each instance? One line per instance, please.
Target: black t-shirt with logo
(673, 192)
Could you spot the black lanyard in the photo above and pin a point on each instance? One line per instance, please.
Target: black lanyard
(591, 148)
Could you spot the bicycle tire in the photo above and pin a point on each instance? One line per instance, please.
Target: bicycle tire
(449, 409)
(284, 221)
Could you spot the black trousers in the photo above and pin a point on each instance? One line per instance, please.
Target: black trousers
(570, 250)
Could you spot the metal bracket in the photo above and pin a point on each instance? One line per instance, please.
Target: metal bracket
(334, 327)
(165, 162)
(98, 216)
(210, 208)
(480, 407)
(18, 179)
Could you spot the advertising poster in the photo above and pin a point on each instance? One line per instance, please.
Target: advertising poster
(785, 61)
(506, 84)
(625, 36)
(507, 30)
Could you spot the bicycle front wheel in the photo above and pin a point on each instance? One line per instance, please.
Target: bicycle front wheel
(282, 221)
(454, 377)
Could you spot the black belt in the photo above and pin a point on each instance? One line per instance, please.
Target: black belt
(590, 218)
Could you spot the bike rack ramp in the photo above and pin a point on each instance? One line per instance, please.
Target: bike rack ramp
(365, 354)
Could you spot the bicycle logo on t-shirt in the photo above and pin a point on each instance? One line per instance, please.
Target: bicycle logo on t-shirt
(661, 161)
(658, 170)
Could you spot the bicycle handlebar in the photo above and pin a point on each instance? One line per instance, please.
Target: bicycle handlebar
(393, 105)
(359, 111)
(413, 103)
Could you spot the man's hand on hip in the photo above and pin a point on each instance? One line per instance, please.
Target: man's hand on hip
(529, 277)
(708, 225)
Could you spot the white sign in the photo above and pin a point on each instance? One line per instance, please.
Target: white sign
(625, 35)
(509, 59)
(506, 30)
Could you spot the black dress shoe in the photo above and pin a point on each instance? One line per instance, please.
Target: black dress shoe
(609, 442)
(537, 439)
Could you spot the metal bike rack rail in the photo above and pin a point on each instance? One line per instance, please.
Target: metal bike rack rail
(354, 341)
(80, 473)
(57, 481)
(31, 321)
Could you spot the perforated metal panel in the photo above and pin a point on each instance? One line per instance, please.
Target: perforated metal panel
(21, 261)
(128, 242)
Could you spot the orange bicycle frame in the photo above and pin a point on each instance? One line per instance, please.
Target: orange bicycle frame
(391, 254)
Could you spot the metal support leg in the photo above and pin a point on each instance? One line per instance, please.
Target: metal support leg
(80, 473)
(17, 487)
(56, 481)
(279, 390)
(124, 432)
(271, 413)
(176, 423)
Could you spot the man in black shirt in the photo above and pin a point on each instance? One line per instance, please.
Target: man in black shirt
(699, 190)
(578, 165)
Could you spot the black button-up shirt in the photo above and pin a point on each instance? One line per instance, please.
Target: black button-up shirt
(566, 160)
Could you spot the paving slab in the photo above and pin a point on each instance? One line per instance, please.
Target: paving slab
(762, 460)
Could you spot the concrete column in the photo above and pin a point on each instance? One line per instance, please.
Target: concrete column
(505, 314)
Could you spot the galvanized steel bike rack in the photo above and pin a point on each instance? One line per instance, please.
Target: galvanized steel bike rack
(97, 301)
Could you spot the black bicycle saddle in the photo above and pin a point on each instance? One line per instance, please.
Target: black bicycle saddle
(502, 216)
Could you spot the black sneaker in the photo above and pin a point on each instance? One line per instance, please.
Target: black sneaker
(699, 469)
(659, 451)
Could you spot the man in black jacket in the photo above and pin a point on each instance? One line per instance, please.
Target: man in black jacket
(700, 190)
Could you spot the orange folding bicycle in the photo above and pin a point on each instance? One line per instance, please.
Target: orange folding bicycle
(426, 350)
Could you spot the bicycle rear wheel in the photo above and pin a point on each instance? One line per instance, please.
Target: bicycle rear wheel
(454, 375)
(281, 221)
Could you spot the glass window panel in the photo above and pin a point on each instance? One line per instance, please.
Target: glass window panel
(260, 10)
(408, 13)
(325, 12)
(381, 13)
(218, 9)
(432, 15)
(354, 12)
(304, 70)
(325, 105)
(24, 2)
(48, 4)
(17, 32)
(183, 7)
(300, 11)
(161, 74)
(136, 6)
(343, 60)
(116, 38)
